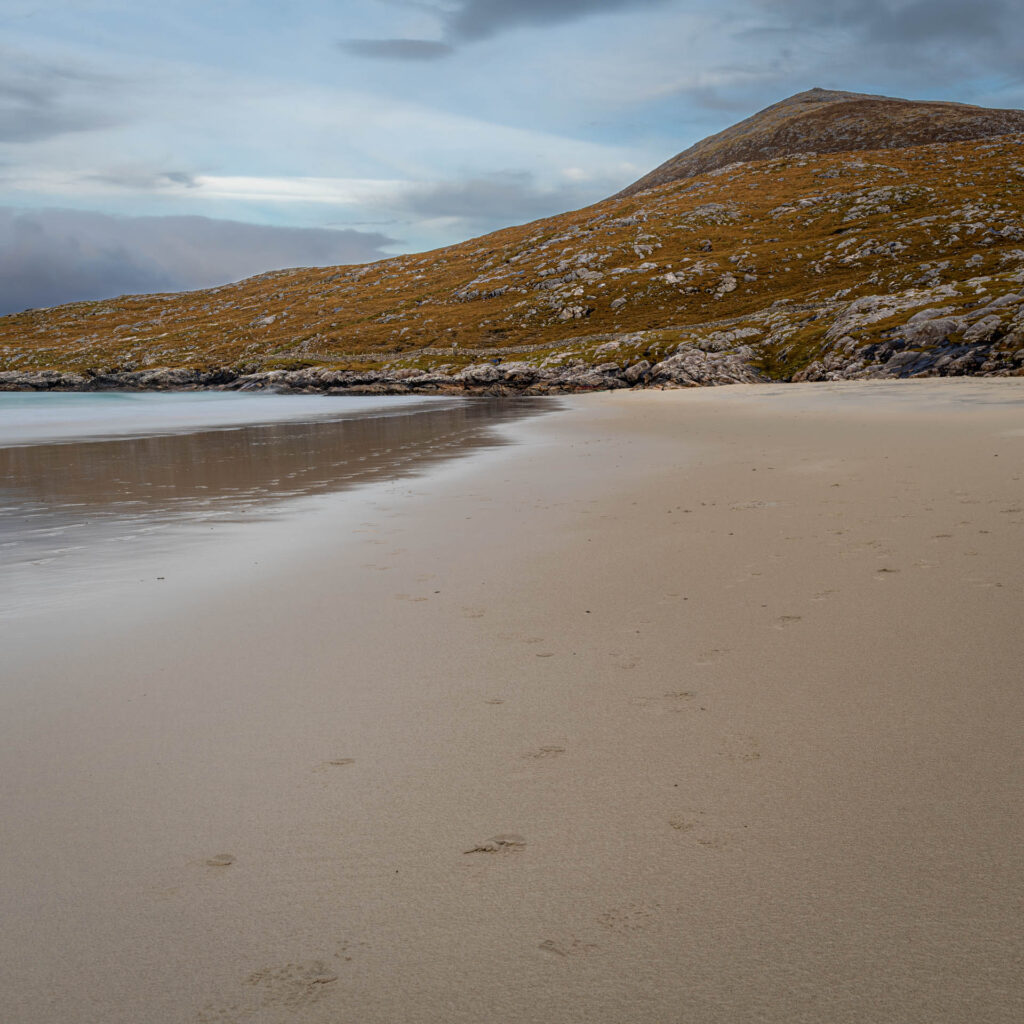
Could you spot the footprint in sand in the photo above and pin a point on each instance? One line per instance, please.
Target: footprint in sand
(568, 946)
(684, 824)
(674, 702)
(714, 841)
(333, 764)
(785, 621)
(743, 749)
(752, 506)
(982, 583)
(678, 700)
(505, 842)
(293, 987)
(628, 919)
(543, 753)
(693, 823)
(521, 638)
(624, 660)
(712, 655)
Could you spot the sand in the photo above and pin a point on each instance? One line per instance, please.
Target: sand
(693, 706)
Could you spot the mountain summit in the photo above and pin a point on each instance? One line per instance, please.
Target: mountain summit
(825, 121)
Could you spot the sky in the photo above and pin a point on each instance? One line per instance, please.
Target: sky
(152, 146)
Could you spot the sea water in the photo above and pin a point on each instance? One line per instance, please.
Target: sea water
(31, 417)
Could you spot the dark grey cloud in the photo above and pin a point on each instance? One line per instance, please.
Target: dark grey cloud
(143, 179)
(926, 20)
(179, 178)
(967, 50)
(397, 49)
(469, 20)
(497, 200)
(52, 256)
(39, 100)
(478, 19)
(905, 21)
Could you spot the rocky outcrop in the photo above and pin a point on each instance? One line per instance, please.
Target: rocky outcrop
(687, 366)
(953, 340)
(690, 366)
(943, 330)
(156, 379)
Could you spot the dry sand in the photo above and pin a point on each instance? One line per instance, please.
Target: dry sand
(734, 676)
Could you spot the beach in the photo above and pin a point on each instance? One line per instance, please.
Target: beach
(699, 705)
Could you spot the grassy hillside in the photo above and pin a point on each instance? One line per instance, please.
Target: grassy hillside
(797, 259)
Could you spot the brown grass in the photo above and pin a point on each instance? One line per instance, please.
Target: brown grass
(790, 224)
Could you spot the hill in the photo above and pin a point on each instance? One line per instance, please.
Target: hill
(875, 263)
(825, 121)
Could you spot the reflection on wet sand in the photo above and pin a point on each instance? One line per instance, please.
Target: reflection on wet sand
(51, 492)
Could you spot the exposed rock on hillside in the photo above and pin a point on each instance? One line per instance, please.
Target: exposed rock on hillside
(906, 262)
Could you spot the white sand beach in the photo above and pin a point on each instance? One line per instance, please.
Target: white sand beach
(696, 706)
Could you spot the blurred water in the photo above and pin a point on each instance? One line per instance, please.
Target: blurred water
(29, 417)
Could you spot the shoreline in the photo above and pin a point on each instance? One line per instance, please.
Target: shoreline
(607, 369)
(695, 704)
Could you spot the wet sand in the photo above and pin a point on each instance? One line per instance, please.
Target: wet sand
(694, 706)
(77, 514)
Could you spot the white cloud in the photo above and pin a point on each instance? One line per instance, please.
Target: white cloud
(335, 191)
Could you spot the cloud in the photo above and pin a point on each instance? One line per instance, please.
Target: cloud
(901, 23)
(329, 191)
(480, 19)
(926, 20)
(143, 180)
(40, 100)
(54, 256)
(498, 199)
(967, 50)
(397, 49)
(141, 183)
(471, 20)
